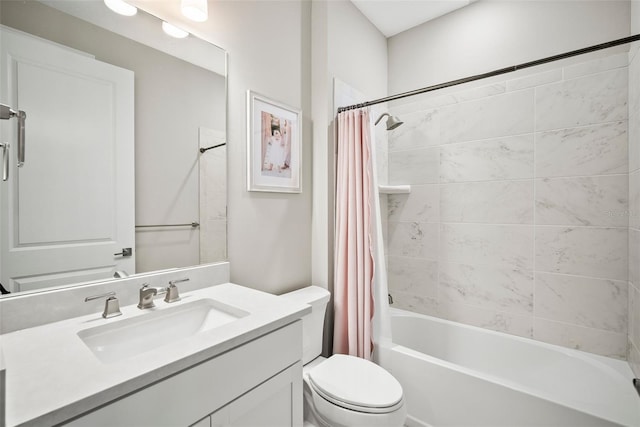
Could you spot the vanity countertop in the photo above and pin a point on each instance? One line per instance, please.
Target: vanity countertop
(52, 376)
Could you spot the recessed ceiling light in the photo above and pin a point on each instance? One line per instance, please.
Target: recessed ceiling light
(119, 6)
(174, 31)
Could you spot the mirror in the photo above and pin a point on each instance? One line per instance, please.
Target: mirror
(114, 182)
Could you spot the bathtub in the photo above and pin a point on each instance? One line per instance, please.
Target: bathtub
(458, 375)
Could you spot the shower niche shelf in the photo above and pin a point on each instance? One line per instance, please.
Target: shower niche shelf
(394, 189)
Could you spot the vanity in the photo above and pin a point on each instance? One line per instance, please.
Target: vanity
(222, 355)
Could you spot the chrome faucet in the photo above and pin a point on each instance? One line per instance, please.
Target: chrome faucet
(147, 293)
(146, 296)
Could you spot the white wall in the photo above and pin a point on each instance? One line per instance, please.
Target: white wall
(348, 47)
(268, 47)
(493, 34)
(357, 50)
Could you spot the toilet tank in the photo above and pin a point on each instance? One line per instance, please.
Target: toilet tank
(313, 323)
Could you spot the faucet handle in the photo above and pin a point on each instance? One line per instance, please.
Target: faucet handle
(111, 304)
(172, 291)
(173, 282)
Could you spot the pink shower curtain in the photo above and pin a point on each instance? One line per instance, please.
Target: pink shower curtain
(354, 257)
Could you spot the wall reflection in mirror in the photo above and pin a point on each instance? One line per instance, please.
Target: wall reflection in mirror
(113, 178)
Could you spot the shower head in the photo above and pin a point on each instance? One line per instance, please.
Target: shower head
(392, 121)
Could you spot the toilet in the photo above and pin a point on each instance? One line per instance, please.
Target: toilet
(343, 391)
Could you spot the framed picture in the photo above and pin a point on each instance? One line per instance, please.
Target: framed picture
(274, 152)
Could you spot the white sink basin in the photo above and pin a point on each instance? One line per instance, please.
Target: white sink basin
(129, 337)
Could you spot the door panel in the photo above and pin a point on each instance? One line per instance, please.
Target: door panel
(70, 132)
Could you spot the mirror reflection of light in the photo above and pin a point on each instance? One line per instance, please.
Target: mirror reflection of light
(196, 10)
(174, 31)
(121, 7)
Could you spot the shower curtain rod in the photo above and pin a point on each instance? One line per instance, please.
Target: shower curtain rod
(495, 72)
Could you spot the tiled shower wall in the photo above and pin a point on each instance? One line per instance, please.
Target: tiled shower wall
(634, 209)
(518, 215)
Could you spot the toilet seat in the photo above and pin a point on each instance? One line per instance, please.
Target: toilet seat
(356, 384)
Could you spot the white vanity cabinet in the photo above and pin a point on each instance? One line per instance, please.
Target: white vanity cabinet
(274, 403)
(258, 383)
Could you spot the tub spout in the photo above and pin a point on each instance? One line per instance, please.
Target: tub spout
(390, 299)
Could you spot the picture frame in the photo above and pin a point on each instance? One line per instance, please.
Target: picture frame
(274, 145)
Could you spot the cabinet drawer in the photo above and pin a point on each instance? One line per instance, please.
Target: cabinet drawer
(192, 394)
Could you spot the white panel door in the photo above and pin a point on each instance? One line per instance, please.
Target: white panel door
(70, 208)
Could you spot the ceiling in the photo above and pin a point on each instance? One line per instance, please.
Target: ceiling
(394, 16)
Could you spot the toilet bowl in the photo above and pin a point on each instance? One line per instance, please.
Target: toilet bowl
(343, 391)
(346, 391)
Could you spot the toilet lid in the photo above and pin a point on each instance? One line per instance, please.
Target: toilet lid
(356, 384)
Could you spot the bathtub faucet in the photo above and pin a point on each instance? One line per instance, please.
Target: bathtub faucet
(390, 299)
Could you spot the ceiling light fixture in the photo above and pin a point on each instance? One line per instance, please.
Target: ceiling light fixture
(196, 10)
(121, 7)
(173, 31)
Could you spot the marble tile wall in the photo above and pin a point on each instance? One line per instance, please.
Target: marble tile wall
(518, 218)
(633, 354)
